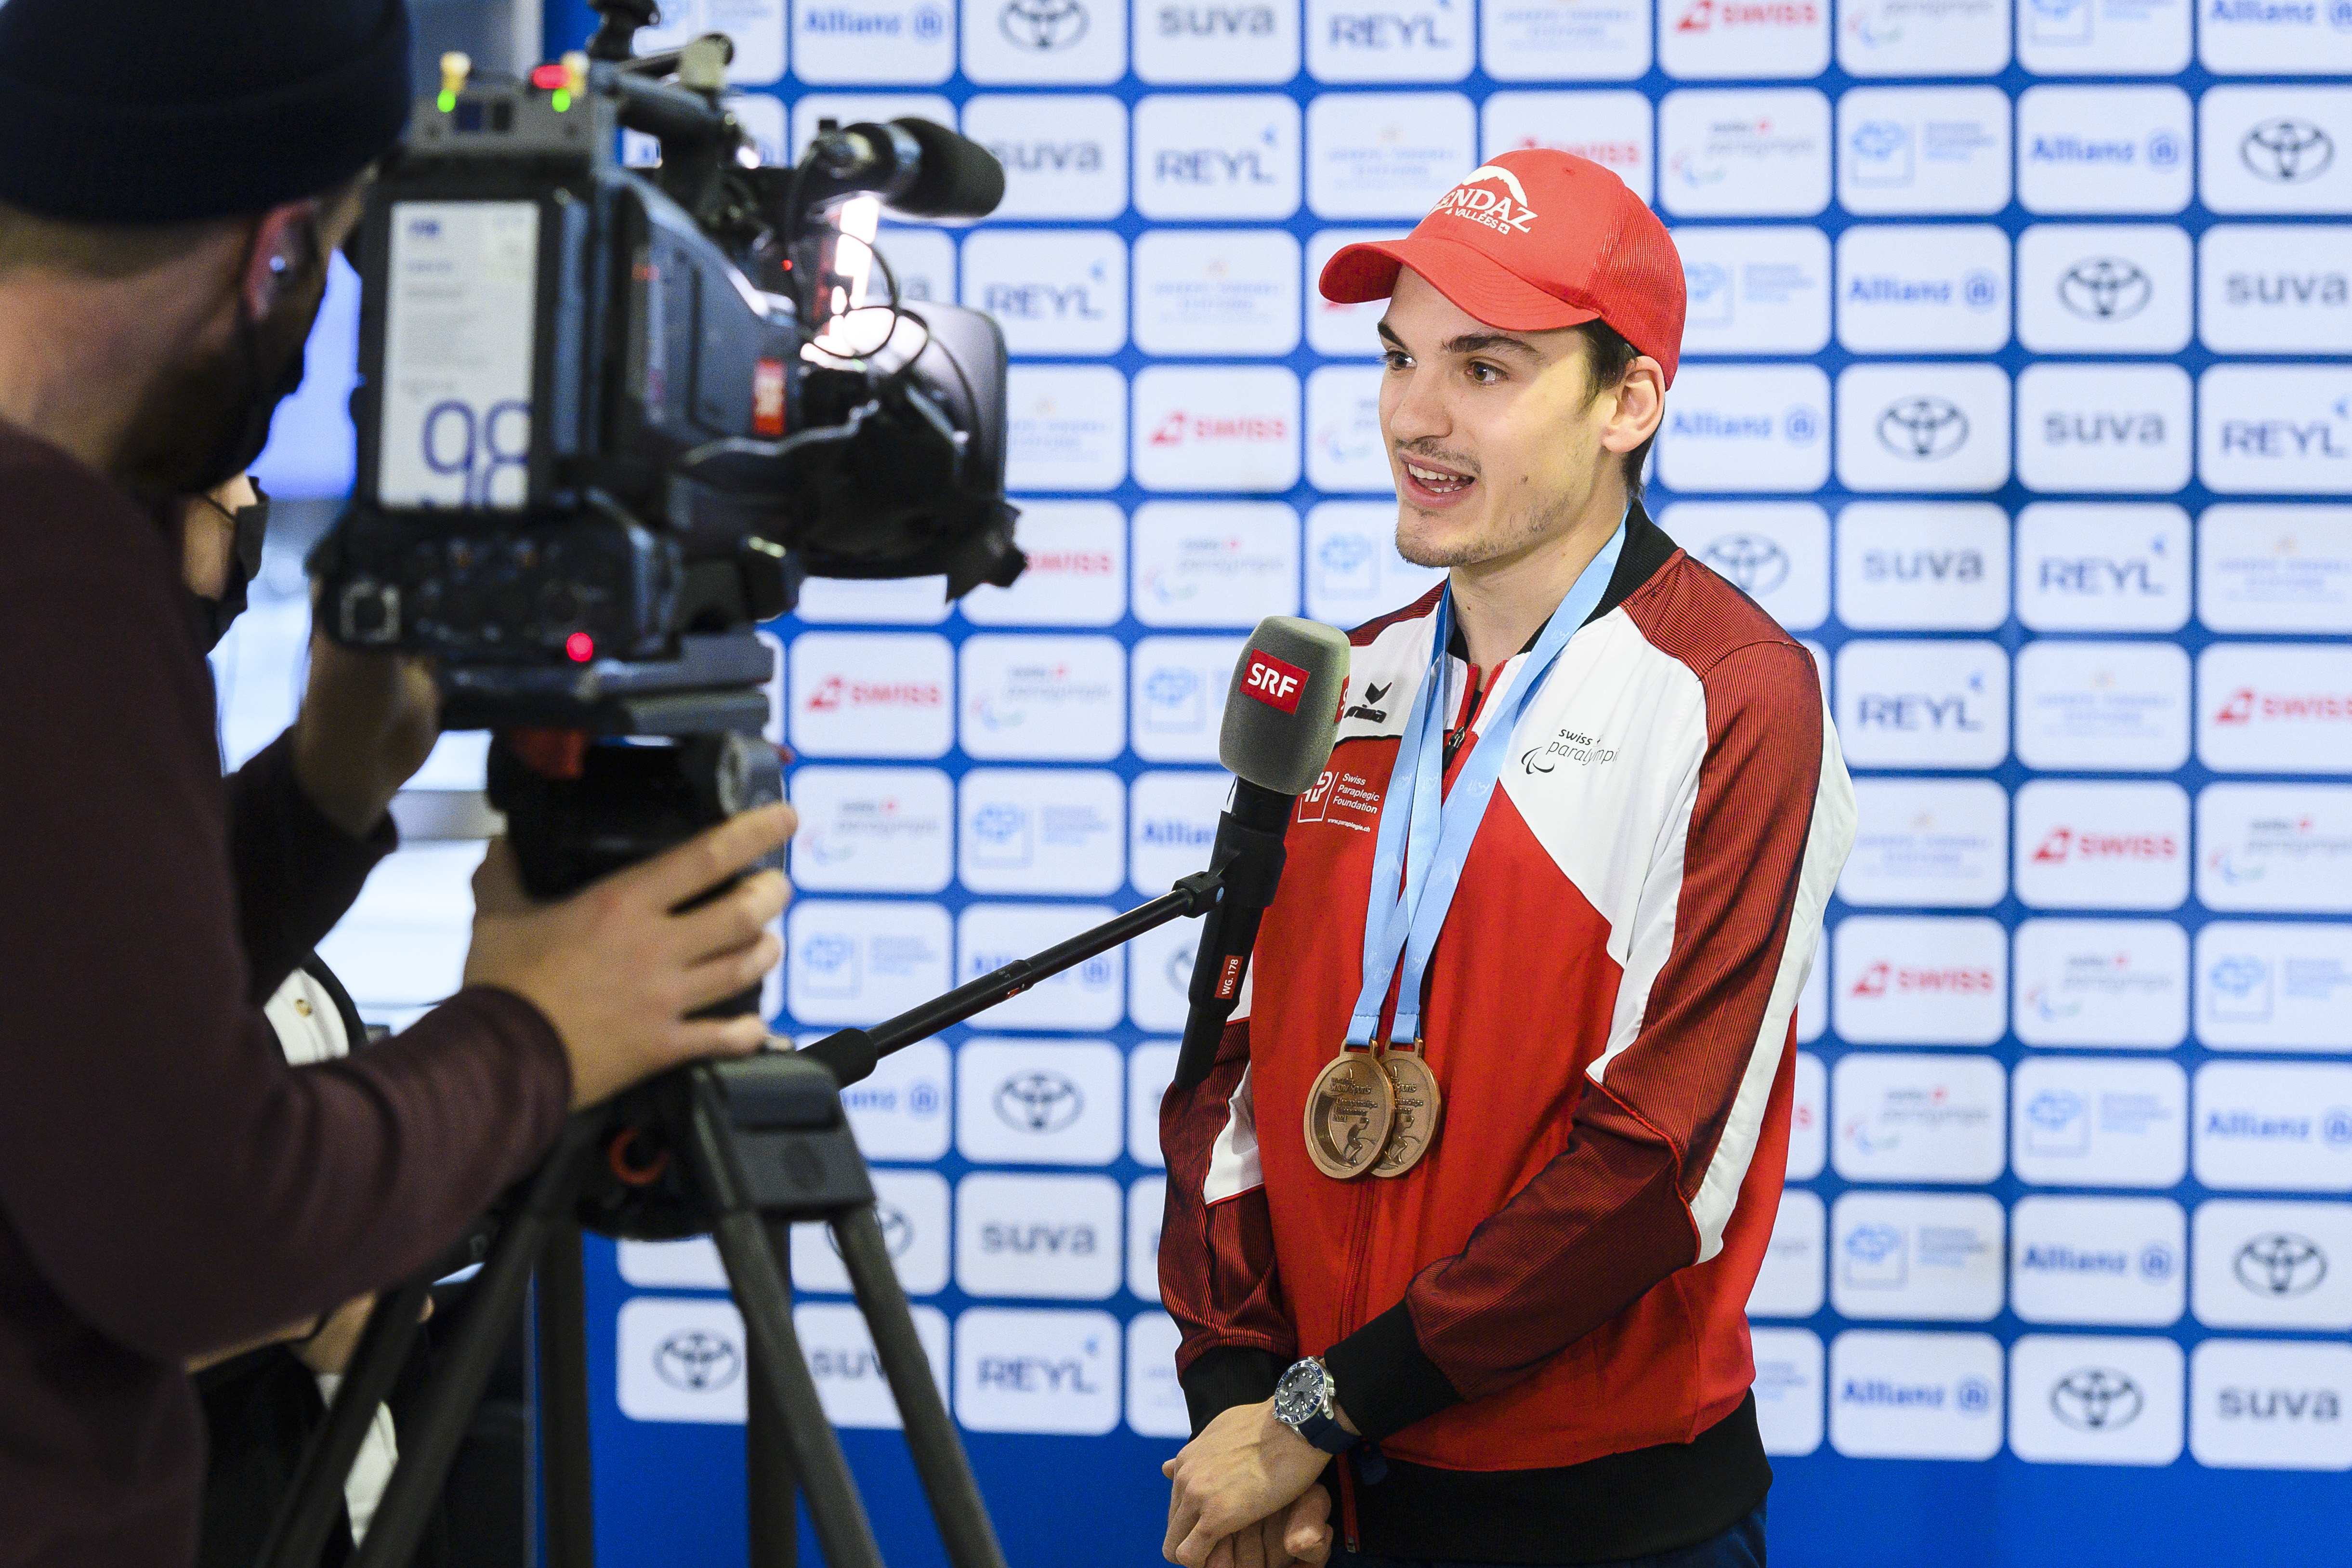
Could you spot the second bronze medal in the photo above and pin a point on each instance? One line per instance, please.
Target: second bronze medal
(1419, 1105)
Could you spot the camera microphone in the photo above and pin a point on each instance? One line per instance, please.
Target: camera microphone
(1282, 715)
(916, 167)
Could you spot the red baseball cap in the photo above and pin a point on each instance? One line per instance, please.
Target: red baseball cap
(1532, 241)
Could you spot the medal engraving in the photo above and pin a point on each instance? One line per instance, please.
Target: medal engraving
(1418, 1106)
(1349, 1113)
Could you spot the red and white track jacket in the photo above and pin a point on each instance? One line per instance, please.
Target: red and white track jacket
(1543, 1324)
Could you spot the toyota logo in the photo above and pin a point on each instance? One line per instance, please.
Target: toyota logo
(1038, 1101)
(1757, 564)
(2287, 151)
(2096, 1399)
(696, 1361)
(897, 1230)
(2104, 289)
(1922, 428)
(2281, 1263)
(1042, 24)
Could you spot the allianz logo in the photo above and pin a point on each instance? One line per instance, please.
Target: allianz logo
(1038, 1239)
(1799, 424)
(1979, 291)
(1174, 833)
(1215, 21)
(1036, 1374)
(1923, 566)
(887, 1100)
(1049, 157)
(2162, 151)
(1969, 1396)
(2096, 576)
(2154, 1263)
(2332, 1127)
(1383, 30)
(923, 24)
(1042, 301)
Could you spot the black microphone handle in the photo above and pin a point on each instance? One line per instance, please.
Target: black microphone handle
(1248, 859)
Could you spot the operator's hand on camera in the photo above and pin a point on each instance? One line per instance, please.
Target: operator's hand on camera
(1245, 1466)
(616, 971)
(368, 721)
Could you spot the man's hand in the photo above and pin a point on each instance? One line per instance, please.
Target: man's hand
(617, 972)
(1299, 1533)
(329, 1348)
(1244, 1468)
(368, 722)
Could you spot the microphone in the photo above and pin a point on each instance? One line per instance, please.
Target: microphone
(1282, 714)
(915, 166)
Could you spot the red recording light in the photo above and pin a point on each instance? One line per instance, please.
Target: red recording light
(581, 647)
(548, 77)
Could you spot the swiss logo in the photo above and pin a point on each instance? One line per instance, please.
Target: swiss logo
(1274, 683)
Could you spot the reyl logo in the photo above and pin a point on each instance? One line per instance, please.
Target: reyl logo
(1043, 26)
(2286, 151)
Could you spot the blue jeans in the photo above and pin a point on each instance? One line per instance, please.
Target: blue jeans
(1741, 1546)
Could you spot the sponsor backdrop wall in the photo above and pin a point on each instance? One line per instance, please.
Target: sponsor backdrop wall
(2012, 385)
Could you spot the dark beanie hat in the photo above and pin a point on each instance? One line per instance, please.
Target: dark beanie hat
(170, 110)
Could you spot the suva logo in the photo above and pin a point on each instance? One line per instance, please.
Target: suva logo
(1505, 211)
(696, 1361)
(2331, 290)
(2279, 1403)
(2104, 289)
(2280, 1263)
(1922, 428)
(1038, 1101)
(1754, 562)
(1049, 157)
(2096, 1399)
(2287, 151)
(1042, 25)
(1216, 22)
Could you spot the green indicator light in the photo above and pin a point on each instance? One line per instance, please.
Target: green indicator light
(560, 100)
(448, 102)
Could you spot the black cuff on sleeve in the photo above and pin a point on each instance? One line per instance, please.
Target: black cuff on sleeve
(1223, 1376)
(1383, 1380)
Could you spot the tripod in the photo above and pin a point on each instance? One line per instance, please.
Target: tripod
(742, 1150)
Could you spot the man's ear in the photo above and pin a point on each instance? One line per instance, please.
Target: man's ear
(283, 249)
(1641, 401)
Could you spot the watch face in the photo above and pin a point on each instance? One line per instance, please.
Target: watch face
(1299, 1395)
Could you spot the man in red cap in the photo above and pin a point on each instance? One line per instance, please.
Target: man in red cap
(1495, 1139)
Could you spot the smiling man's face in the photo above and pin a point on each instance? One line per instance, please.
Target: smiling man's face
(1495, 438)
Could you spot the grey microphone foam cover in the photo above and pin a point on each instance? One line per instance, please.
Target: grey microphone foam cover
(1281, 710)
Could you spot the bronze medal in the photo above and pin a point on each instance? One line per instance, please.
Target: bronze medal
(1418, 1106)
(1349, 1113)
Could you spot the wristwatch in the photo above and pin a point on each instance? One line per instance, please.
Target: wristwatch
(1302, 1402)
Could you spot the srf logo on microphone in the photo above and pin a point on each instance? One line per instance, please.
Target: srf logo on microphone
(1274, 683)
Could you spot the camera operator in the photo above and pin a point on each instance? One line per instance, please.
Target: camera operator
(172, 179)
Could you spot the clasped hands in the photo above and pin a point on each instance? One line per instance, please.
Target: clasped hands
(1243, 1496)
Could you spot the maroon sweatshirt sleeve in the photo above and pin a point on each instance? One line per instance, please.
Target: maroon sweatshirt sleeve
(296, 872)
(162, 1172)
(1217, 1276)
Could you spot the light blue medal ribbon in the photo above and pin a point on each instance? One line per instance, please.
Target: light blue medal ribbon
(1425, 832)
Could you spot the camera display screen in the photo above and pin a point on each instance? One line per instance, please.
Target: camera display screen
(459, 328)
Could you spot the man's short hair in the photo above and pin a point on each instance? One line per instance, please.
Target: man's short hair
(1609, 356)
(105, 252)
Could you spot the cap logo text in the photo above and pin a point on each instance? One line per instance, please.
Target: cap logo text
(1505, 214)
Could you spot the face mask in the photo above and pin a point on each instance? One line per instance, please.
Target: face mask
(215, 615)
(205, 422)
